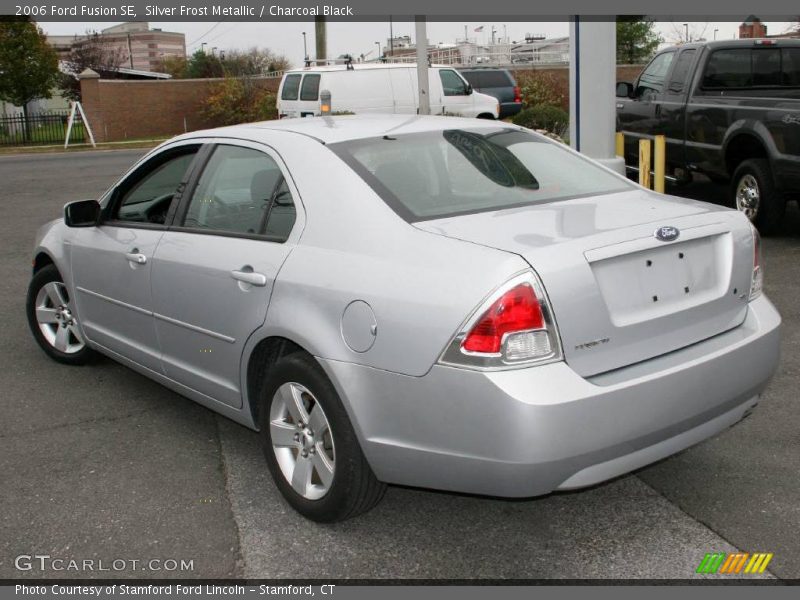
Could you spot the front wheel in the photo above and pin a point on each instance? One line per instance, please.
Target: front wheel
(52, 318)
(755, 195)
(310, 445)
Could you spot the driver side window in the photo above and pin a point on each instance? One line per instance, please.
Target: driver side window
(145, 197)
(651, 81)
(452, 84)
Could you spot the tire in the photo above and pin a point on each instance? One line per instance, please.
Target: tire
(349, 487)
(51, 319)
(754, 193)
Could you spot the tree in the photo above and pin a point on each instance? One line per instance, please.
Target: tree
(637, 39)
(203, 66)
(239, 100)
(91, 52)
(28, 65)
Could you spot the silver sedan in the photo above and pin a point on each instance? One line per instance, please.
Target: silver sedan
(436, 302)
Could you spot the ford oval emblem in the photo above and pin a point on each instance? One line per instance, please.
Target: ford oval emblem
(668, 233)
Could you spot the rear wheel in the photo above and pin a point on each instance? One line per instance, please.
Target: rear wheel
(755, 195)
(52, 319)
(310, 445)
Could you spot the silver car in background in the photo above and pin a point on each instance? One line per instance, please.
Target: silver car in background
(428, 301)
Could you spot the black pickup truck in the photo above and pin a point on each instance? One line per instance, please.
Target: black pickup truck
(729, 110)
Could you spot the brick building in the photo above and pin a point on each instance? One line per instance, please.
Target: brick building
(752, 28)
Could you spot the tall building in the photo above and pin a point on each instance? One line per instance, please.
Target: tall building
(141, 48)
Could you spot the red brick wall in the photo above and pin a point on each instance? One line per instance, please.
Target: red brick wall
(120, 109)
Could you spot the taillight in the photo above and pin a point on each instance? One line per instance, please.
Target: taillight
(514, 326)
(517, 94)
(757, 281)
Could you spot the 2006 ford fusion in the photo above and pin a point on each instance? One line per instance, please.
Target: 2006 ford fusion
(428, 301)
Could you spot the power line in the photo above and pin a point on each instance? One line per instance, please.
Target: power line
(213, 27)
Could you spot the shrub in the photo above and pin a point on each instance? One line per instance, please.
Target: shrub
(542, 88)
(239, 100)
(549, 118)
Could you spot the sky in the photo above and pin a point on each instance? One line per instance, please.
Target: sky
(359, 38)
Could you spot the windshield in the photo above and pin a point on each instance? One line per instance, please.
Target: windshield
(439, 174)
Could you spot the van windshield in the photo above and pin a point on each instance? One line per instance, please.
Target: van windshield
(446, 173)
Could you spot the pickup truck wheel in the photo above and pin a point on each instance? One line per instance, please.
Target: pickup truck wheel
(755, 195)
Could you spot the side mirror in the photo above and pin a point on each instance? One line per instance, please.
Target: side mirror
(83, 213)
(469, 89)
(624, 89)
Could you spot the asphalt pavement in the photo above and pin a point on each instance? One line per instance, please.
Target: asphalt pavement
(99, 463)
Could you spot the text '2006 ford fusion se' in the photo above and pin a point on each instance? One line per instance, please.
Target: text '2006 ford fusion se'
(430, 301)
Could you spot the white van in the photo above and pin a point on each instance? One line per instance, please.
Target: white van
(380, 88)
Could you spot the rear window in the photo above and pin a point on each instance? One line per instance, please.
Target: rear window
(291, 85)
(458, 171)
(752, 67)
(310, 89)
(494, 79)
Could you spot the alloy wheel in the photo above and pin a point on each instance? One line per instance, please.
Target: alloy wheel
(55, 316)
(302, 441)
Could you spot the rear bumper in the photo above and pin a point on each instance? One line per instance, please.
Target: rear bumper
(528, 432)
(509, 109)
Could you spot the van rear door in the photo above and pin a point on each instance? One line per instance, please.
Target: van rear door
(288, 96)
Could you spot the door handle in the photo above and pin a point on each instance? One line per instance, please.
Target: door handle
(137, 258)
(250, 277)
(658, 110)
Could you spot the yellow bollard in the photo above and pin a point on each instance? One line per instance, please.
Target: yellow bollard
(659, 163)
(620, 142)
(644, 163)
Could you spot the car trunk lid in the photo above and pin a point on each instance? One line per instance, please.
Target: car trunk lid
(619, 294)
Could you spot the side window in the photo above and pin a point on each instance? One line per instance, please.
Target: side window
(766, 67)
(728, 69)
(678, 82)
(790, 70)
(290, 87)
(310, 89)
(452, 84)
(651, 81)
(146, 195)
(243, 191)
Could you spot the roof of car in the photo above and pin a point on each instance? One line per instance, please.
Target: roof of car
(349, 127)
(774, 42)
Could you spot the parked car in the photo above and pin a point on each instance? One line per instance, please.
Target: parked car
(439, 302)
(729, 110)
(498, 83)
(380, 88)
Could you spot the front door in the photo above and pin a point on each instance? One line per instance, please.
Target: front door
(640, 116)
(112, 263)
(214, 269)
(456, 98)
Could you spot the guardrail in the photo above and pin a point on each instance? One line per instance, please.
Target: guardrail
(657, 149)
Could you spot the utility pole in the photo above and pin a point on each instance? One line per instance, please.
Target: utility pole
(422, 65)
(130, 50)
(391, 37)
(321, 35)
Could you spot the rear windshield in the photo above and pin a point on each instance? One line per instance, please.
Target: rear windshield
(458, 171)
(290, 87)
(310, 89)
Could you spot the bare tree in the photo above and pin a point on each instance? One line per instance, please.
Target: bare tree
(683, 33)
(90, 52)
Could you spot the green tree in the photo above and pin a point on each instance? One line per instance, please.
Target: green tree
(28, 65)
(637, 39)
(202, 65)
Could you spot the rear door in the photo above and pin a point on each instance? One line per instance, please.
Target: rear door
(289, 96)
(112, 263)
(215, 268)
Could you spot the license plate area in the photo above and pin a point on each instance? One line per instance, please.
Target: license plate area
(668, 278)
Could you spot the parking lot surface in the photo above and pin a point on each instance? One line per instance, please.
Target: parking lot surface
(100, 463)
